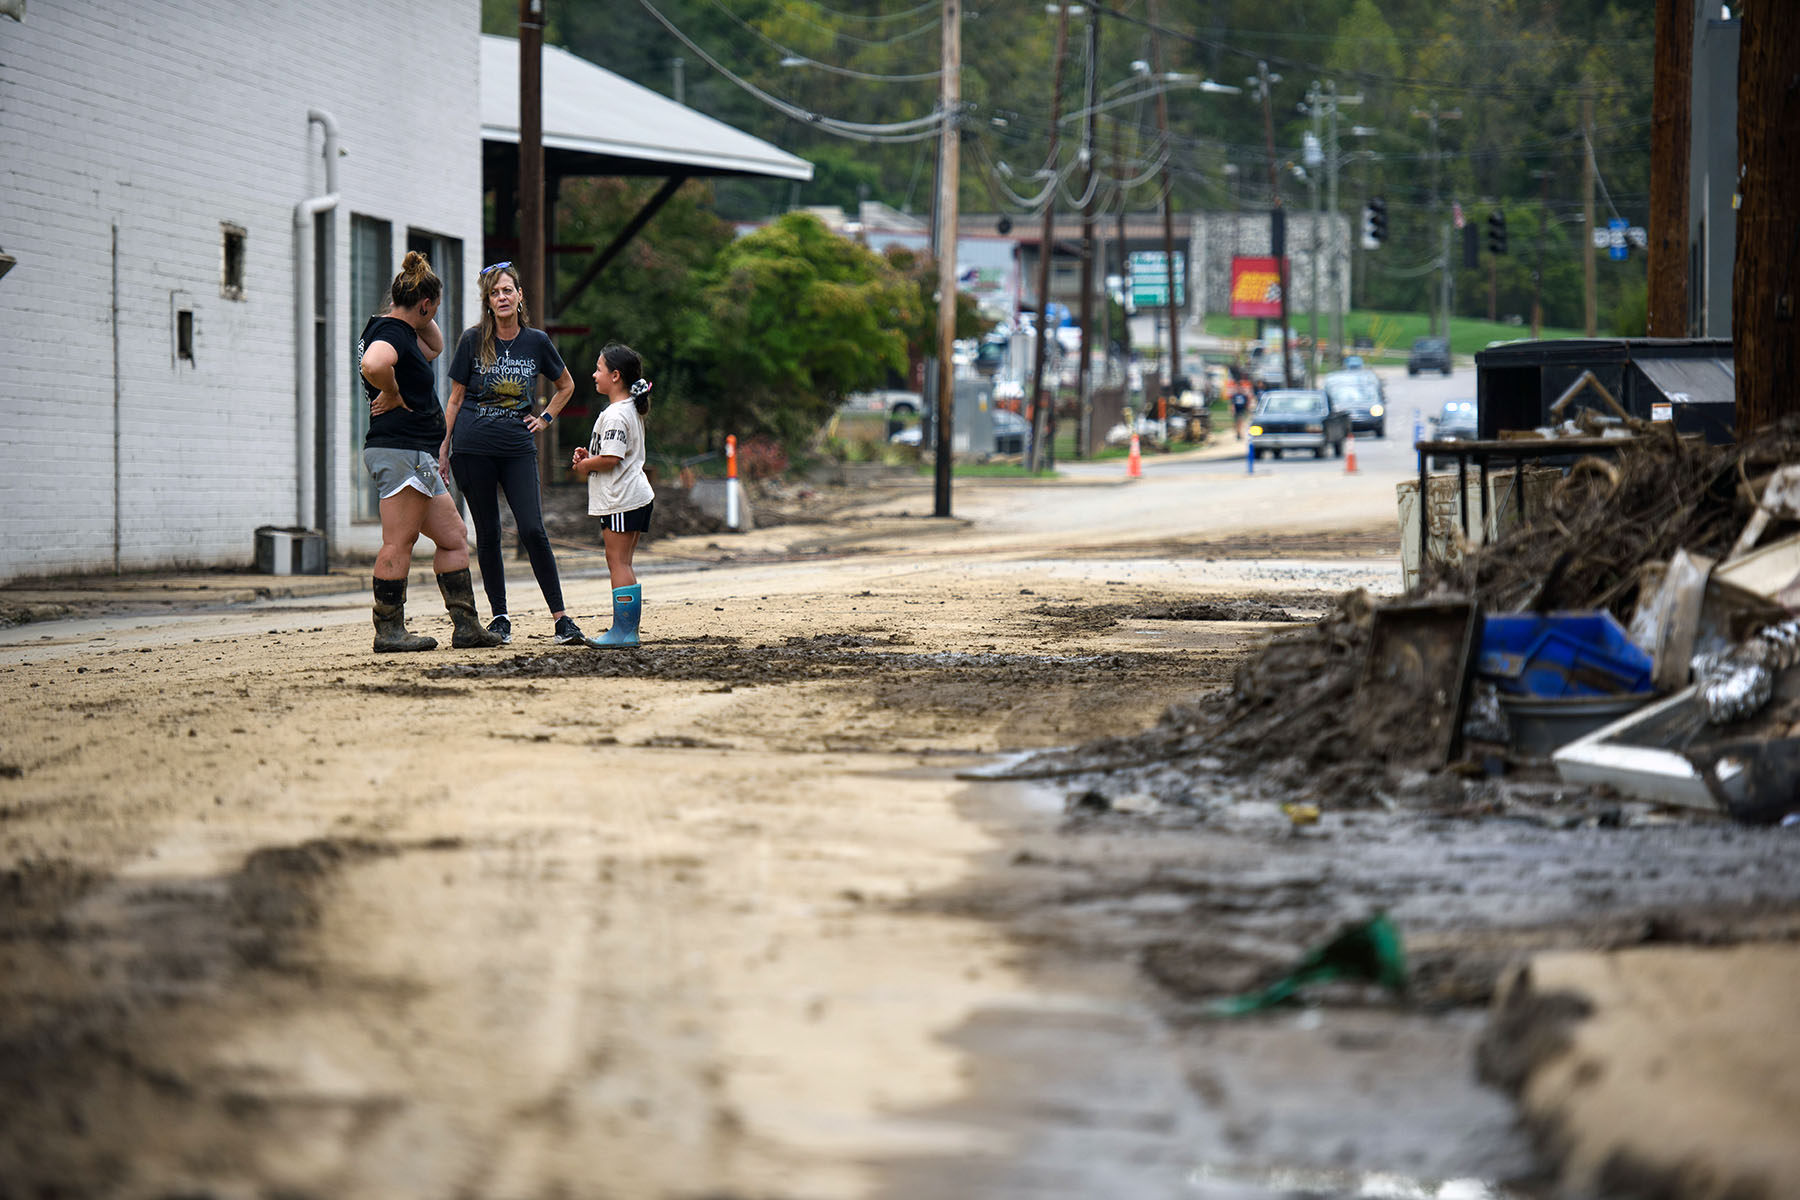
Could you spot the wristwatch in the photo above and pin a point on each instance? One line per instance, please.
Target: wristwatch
(547, 417)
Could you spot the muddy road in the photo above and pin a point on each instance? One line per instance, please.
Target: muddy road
(733, 914)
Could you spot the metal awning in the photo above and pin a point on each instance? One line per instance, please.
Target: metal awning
(616, 126)
(1692, 380)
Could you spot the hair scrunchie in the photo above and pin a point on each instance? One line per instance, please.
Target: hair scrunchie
(640, 387)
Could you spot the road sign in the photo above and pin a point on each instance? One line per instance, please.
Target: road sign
(1150, 279)
(1617, 248)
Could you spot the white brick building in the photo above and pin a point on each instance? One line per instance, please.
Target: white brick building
(154, 155)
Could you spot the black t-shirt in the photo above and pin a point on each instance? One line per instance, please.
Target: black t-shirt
(492, 417)
(420, 425)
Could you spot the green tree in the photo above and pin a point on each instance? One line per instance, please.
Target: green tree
(792, 318)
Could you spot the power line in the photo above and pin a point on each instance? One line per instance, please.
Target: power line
(916, 129)
(788, 52)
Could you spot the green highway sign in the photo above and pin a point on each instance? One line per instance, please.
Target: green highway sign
(1149, 287)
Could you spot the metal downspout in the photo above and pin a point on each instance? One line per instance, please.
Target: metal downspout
(305, 300)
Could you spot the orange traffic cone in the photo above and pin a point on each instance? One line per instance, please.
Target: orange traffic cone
(1134, 465)
(1350, 453)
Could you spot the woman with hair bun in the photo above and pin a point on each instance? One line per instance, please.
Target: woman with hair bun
(490, 448)
(406, 427)
(618, 491)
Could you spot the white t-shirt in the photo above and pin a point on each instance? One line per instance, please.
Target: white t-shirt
(619, 430)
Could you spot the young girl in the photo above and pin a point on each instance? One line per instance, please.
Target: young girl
(618, 492)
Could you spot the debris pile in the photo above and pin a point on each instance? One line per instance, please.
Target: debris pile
(1518, 659)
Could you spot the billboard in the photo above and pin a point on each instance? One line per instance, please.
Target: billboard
(1255, 287)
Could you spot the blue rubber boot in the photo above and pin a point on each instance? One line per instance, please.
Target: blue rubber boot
(628, 606)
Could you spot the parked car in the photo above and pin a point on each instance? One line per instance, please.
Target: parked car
(1010, 430)
(1458, 422)
(1429, 354)
(1355, 391)
(1298, 420)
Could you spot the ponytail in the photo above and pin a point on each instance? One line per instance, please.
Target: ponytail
(625, 361)
(416, 282)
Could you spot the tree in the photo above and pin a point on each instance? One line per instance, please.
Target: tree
(792, 318)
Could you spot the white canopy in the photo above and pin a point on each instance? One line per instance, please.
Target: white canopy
(589, 110)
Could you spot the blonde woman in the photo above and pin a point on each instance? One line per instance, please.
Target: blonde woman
(406, 427)
(489, 446)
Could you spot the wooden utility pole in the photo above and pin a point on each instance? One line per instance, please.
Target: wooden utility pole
(1277, 219)
(1046, 250)
(1083, 383)
(1168, 213)
(529, 257)
(1767, 273)
(1671, 126)
(949, 152)
(1588, 299)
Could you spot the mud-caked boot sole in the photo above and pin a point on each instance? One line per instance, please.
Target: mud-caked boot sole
(404, 643)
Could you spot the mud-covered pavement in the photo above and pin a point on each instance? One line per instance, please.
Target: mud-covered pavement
(718, 917)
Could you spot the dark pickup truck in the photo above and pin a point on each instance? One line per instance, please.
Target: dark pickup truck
(1298, 420)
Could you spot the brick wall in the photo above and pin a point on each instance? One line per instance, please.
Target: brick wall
(167, 119)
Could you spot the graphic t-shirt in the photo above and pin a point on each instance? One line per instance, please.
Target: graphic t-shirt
(492, 417)
(420, 425)
(619, 430)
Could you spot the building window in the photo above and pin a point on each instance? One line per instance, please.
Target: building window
(231, 273)
(184, 335)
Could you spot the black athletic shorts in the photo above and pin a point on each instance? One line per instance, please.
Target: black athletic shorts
(636, 520)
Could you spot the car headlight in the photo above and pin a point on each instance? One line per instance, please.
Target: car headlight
(1375, 410)
(1256, 431)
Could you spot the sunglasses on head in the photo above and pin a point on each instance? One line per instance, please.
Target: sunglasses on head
(499, 266)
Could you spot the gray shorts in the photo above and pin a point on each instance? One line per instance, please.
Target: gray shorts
(393, 470)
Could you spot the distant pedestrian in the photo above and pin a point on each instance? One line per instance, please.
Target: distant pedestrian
(618, 491)
(1239, 387)
(491, 448)
(406, 428)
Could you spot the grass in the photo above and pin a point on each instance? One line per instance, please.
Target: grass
(1393, 333)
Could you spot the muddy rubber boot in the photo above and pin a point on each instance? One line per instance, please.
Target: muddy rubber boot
(390, 620)
(459, 598)
(628, 607)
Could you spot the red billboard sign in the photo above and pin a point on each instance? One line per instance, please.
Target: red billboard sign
(1255, 287)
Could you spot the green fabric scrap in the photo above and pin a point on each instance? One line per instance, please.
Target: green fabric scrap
(1368, 952)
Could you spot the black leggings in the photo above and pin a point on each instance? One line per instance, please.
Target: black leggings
(482, 477)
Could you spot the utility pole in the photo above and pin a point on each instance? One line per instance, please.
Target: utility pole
(1333, 102)
(1168, 206)
(1083, 383)
(949, 152)
(1764, 281)
(1590, 317)
(1537, 268)
(530, 254)
(1671, 122)
(1046, 250)
(1123, 254)
(1312, 157)
(1262, 84)
(1433, 115)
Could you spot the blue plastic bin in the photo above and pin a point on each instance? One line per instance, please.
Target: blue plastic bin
(1561, 654)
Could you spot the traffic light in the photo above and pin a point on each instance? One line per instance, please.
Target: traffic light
(1375, 222)
(1496, 232)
